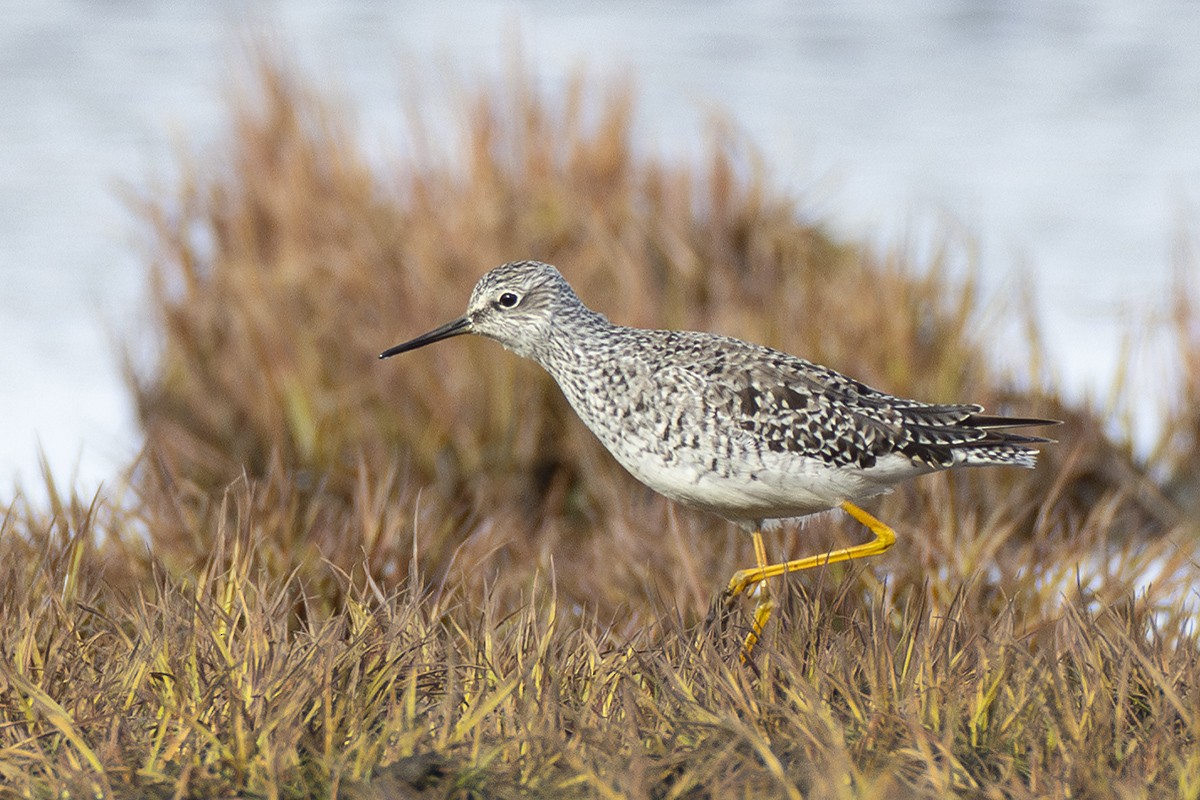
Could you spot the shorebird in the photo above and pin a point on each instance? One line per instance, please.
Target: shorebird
(749, 433)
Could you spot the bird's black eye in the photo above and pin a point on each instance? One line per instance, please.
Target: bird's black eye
(508, 300)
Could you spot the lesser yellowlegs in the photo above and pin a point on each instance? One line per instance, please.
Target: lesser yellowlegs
(744, 431)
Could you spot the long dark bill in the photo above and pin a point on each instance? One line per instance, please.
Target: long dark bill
(455, 328)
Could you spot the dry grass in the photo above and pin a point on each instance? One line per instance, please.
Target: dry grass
(335, 577)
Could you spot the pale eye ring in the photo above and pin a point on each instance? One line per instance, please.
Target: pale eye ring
(508, 300)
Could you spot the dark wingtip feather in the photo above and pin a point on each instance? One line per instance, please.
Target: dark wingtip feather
(1000, 426)
(1019, 438)
(973, 439)
(990, 422)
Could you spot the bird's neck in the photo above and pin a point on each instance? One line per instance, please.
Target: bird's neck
(579, 341)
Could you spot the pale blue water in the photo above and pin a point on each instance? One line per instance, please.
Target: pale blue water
(1064, 135)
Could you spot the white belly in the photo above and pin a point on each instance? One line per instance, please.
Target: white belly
(795, 487)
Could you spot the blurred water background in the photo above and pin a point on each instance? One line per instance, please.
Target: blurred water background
(1064, 135)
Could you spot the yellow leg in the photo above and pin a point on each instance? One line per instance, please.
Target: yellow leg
(885, 537)
(765, 605)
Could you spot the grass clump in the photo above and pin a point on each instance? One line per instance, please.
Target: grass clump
(233, 679)
(339, 578)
